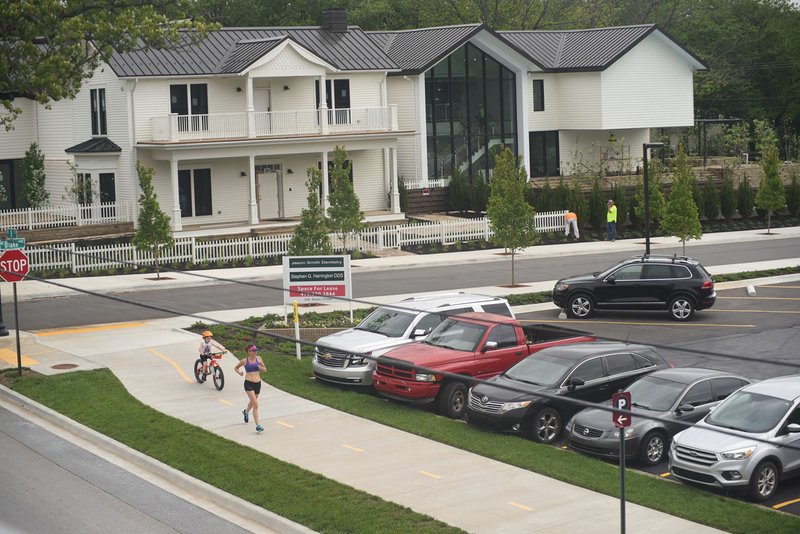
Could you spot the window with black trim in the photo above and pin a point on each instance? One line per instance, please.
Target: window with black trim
(194, 192)
(544, 154)
(190, 103)
(337, 98)
(538, 95)
(98, 106)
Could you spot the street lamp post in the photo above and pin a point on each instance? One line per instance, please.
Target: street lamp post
(645, 148)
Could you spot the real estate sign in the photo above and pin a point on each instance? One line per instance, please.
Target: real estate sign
(316, 279)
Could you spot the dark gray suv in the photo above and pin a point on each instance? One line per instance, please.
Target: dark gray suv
(677, 284)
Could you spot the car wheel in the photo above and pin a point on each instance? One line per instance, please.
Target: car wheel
(764, 481)
(681, 308)
(453, 400)
(652, 449)
(580, 306)
(546, 426)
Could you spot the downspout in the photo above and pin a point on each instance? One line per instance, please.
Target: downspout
(134, 154)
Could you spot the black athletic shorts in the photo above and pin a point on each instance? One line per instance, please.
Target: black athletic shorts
(252, 386)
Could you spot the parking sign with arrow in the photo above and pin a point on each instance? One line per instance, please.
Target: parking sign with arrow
(621, 401)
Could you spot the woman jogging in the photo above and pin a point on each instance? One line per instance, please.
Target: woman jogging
(252, 382)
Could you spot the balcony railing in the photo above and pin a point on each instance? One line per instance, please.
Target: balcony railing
(176, 128)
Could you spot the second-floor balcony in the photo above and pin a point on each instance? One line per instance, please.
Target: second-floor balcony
(215, 126)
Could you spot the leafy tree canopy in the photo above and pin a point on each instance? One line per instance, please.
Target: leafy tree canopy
(48, 48)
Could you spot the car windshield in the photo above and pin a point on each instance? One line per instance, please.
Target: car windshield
(540, 369)
(456, 335)
(387, 321)
(653, 393)
(749, 412)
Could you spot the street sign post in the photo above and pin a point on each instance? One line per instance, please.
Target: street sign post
(621, 401)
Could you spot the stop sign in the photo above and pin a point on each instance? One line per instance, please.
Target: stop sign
(13, 265)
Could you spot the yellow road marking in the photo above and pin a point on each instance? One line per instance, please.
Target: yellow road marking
(45, 351)
(664, 475)
(745, 297)
(521, 506)
(782, 504)
(10, 356)
(175, 365)
(645, 324)
(65, 331)
(226, 402)
(356, 449)
(427, 474)
(287, 425)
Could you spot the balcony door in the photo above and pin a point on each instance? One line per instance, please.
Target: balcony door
(190, 103)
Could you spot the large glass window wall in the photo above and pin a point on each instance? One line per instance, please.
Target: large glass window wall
(471, 112)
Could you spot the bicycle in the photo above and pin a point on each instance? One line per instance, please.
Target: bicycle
(214, 369)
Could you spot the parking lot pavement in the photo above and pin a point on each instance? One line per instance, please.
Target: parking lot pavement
(753, 334)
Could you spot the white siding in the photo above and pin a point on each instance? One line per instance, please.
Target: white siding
(294, 185)
(585, 148)
(403, 93)
(578, 101)
(368, 180)
(365, 89)
(150, 99)
(14, 143)
(549, 119)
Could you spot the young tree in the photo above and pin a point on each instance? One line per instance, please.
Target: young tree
(597, 206)
(81, 189)
(771, 196)
(344, 215)
(33, 189)
(44, 55)
(311, 235)
(654, 179)
(153, 233)
(711, 201)
(682, 218)
(511, 218)
(793, 196)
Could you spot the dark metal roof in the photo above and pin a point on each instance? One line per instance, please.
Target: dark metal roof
(582, 50)
(94, 145)
(224, 51)
(416, 51)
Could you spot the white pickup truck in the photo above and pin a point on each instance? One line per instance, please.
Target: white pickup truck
(348, 357)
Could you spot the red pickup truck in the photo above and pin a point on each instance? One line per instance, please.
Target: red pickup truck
(479, 345)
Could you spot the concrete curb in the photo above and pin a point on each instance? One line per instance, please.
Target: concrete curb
(234, 505)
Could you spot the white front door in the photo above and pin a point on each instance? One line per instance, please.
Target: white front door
(270, 195)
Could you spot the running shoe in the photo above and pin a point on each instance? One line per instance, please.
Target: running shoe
(246, 416)
(259, 428)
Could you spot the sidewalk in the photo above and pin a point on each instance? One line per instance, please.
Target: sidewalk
(462, 489)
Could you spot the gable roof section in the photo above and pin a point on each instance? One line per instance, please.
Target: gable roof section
(93, 146)
(229, 49)
(416, 51)
(594, 49)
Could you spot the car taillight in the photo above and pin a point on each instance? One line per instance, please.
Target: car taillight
(708, 284)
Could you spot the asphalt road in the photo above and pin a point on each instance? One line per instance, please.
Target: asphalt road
(83, 309)
(52, 485)
(754, 336)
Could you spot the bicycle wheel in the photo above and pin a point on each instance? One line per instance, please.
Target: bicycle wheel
(219, 378)
(198, 371)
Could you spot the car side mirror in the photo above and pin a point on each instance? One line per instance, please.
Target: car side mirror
(611, 279)
(490, 345)
(575, 382)
(793, 428)
(685, 407)
(419, 332)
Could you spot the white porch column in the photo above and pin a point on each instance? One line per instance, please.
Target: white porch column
(387, 180)
(251, 172)
(251, 118)
(422, 136)
(323, 108)
(325, 188)
(177, 224)
(395, 185)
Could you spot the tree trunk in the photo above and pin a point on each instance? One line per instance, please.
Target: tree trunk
(513, 281)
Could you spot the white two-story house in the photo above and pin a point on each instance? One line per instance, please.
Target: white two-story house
(232, 123)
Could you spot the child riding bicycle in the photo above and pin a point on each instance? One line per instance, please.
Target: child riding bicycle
(205, 350)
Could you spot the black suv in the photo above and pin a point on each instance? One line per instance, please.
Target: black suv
(677, 284)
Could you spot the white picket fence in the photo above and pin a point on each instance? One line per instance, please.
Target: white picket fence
(197, 251)
(58, 215)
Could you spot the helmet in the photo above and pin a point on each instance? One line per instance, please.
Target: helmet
(207, 333)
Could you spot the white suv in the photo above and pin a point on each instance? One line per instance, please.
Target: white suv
(759, 446)
(340, 357)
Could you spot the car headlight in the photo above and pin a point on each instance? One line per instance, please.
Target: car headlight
(359, 359)
(629, 433)
(507, 407)
(561, 286)
(425, 377)
(738, 454)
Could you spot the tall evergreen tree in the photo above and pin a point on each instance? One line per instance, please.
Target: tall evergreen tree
(681, 217)
(711, 200)
(311, 237)
(33, 190)
(512, 219)
(344, 215)
(727, 197)
(153, 233)
(654, 178)
(771, 196)
(793, 196)
(745, 198)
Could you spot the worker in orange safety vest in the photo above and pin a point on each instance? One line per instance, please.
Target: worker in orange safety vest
(571, 220)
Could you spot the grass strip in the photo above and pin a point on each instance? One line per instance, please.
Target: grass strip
(98, 400)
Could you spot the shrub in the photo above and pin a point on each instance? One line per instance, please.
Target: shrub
(745, 198)
(458, 192)
(711, 201)
(727, 198)
(597, 206)
(793, 196)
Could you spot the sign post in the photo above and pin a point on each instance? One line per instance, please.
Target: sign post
(621, 401)
(14, 266)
